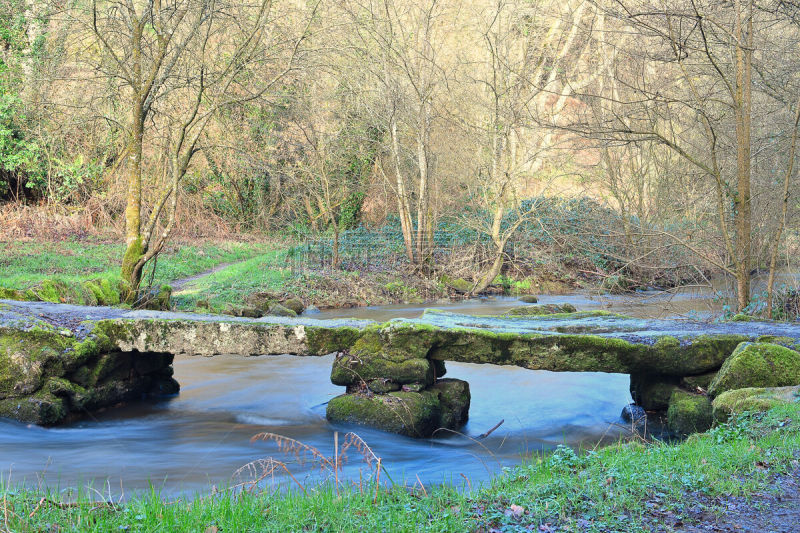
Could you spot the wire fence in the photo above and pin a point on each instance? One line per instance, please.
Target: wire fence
(381, 251)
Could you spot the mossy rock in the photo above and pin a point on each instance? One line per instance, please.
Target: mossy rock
(323, 340)
(701, 381)
(295, 304)
(280, 310)
(383, 385)
(757, 365)
(528, 299)
(43, 409)
(752, 399)
(542, 310)
(457, 284)
(414, 414)
(689, 413)
(454, 397)
(261, 300)
(349, 369)
(654, 392)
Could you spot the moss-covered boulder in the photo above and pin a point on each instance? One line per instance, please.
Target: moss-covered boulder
(295, 304)
(689, 413)
(528, 299)
(653, 392)
(47, 376)
(454, 397)
(541, 310)
(752, 399)
(396, 351)
(459, 285)
(754, 364)
(415, 414)
(280, 310)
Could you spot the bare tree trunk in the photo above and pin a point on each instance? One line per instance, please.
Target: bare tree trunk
(403, 209)
(133, 207)
(743, 221)
(776, 241)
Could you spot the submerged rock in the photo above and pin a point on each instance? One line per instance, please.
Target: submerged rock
(757, 365)
(689, 413)
(752, 399)
(633, 414)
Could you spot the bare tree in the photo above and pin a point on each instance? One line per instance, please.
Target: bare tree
(174, 66)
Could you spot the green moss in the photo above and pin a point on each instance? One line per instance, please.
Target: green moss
(43, 409)
(757, 365)
(323, 340)
(457, 284)
(349, 369)
(415, 414)
(295, 304)
(752, 399)
(689, 413)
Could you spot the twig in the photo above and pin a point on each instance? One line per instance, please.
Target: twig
(491, 430)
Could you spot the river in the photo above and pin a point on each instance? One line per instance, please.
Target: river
(196, 440)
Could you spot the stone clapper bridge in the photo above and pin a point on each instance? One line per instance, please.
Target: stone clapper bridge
(393, 372)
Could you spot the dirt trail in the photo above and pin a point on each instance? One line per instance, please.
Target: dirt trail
(178, 284)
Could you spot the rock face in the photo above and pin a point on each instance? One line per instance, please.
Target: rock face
(47, 378)
(757, 365)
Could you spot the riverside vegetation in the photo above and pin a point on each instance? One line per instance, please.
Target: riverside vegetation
(709, 480)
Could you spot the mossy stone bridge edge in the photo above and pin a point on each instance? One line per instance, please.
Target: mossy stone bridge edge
(392, 371)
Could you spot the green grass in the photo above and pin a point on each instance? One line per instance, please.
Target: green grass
(26, 264)
(264, 272)
(617, 488)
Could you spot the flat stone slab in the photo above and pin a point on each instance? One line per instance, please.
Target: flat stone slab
(603, 324)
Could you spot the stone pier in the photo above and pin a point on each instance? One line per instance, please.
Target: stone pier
(392, 373)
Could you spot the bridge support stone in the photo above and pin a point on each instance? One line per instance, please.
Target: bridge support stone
(393, 386)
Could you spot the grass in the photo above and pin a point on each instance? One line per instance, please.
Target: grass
(264, 272)
(25, 264)
(623, 487)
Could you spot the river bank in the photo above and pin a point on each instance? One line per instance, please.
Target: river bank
(229, 276)
(721, 480)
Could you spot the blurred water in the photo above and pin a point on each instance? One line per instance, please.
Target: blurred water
(199, 438)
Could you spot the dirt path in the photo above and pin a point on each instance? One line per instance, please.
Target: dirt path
(179, 284)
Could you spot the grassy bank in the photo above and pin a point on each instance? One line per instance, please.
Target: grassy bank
(625, 487)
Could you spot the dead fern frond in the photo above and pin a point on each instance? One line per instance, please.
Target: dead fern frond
(352, 440)
(248, 477)
(299, 450)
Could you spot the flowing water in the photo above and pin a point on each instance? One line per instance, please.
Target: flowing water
(197, 439)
